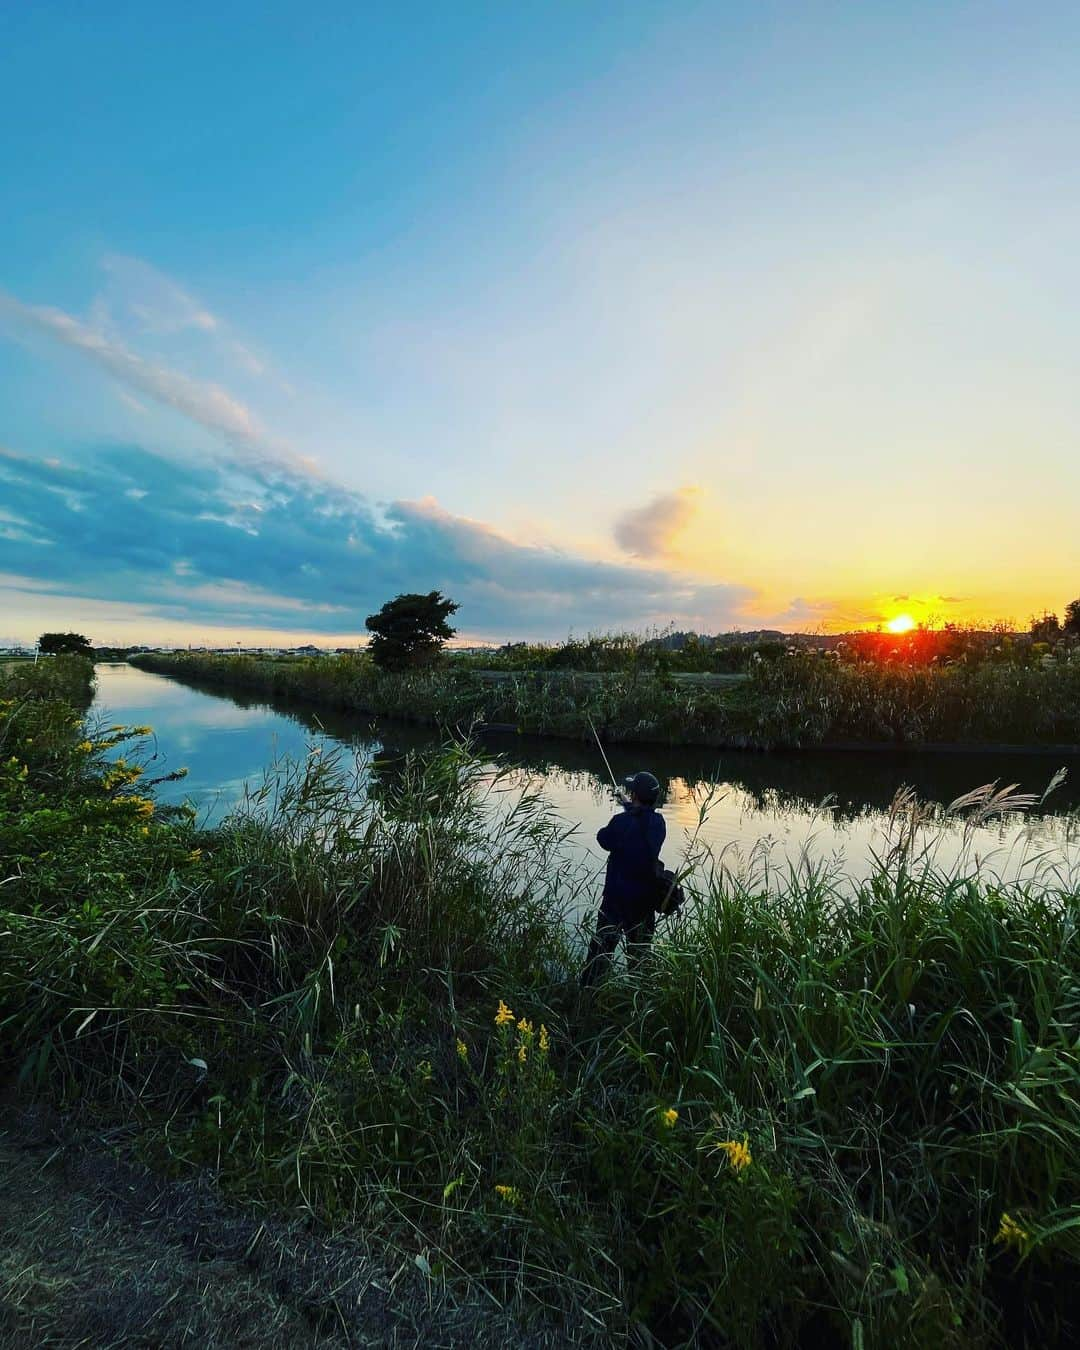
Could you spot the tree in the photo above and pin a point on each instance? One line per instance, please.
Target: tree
(1045, 628)
(64, 644)
(1072, 618)
(410, 630)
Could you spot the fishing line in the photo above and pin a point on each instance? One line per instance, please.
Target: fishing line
(600, 747)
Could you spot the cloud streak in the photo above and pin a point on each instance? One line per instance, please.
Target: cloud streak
(154, 300)
(208, 404)
(205, 403)
(155, 304)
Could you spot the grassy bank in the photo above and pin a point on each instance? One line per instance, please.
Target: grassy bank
(791, 702)
(58, 678)
(844, 1114)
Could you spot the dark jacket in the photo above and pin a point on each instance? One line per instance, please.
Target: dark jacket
(634, 839)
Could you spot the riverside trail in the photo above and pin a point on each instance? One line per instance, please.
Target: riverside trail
(98, 1251)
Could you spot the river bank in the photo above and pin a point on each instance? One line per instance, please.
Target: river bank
(810, 1121)
(797, 702)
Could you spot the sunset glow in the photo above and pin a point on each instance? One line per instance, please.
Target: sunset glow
(574, 398)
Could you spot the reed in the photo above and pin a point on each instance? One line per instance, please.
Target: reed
(795, 701)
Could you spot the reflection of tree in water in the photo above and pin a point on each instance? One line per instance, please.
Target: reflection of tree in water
(418, 782)
(410, 782)
(386, 776)
(853, 782)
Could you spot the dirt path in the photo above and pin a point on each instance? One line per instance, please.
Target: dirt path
(97, 1252)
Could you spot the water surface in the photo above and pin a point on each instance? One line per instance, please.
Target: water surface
(765, 812)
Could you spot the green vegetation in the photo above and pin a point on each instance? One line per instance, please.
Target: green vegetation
(660, 653)
(64, 644)
(410, 630)
(670, 652)
(797, 700)
(840, 1114)
(1048, 628)
(64, 678)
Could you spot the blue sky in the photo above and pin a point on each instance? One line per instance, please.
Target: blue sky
(591, 315)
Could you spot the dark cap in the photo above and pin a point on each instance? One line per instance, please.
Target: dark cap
(644, 786)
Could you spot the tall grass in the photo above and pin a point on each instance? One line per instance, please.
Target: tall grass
(799, 700)
(840, 1112)
(807, 700)
(69, 678)
(626, 705)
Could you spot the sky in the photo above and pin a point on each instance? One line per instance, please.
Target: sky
(595, 316)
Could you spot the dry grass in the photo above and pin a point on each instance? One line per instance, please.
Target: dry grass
(97, 1252)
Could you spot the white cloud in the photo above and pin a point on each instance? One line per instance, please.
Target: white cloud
(209, 405)
(649, 531)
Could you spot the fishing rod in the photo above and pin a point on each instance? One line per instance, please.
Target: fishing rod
(607, 765)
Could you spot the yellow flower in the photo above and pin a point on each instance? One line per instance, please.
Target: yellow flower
(738, 1155)
(525, 1027)
(194, 855)
(462, 1051)
(504, 1015)
(544, 1042)
(669, 1118)
(521, 1053)
(510, 1194)
(1010, 1233)
(145, 829)
(84, 747)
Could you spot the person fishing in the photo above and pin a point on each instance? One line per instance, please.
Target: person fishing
(633, 840)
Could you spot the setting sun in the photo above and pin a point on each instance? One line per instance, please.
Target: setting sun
(903, 623)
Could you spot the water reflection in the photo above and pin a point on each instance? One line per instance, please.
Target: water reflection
(763, 811)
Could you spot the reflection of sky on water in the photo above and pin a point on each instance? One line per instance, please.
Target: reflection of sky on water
(751, 835)
(761, 812)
